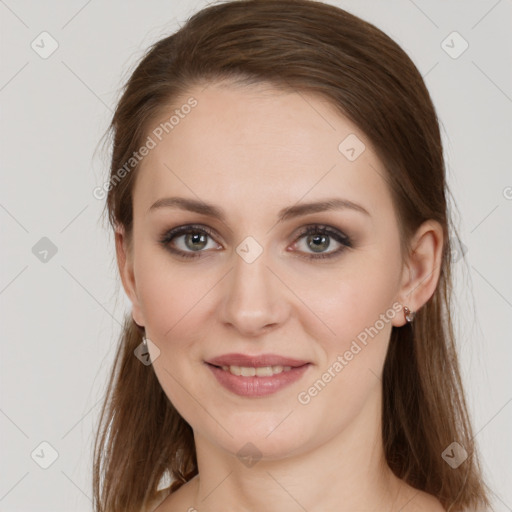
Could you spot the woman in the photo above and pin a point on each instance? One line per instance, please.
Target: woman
(278, 197)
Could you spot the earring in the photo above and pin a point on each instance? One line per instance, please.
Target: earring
(144, 341)
(409, 315)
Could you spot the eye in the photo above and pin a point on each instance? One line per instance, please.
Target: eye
(317, 238)
(194, 240)
(190, 241)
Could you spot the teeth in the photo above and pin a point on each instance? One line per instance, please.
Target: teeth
(261, 371)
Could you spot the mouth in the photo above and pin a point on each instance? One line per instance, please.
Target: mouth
(254, 371)
(256, 376)
(257, 361)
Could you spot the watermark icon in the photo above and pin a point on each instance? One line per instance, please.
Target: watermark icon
(147, 352)
(454, 45)
(305, 397)
(249, 249)
(351, 147)
(151, 142)
(249, 454)
(44, 455)
(507, 193)
(44, 250)
(44, 45)
(454, 455)
(458, 250)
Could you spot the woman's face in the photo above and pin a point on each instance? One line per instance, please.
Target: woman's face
(252, 283)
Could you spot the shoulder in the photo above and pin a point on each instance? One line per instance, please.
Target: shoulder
(412, 499)
(179, 500)
(159, 498)
(421, 501)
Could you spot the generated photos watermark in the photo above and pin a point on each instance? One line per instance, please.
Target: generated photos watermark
(151, 142)
(357, 345)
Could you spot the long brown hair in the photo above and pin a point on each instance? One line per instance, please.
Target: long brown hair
(312, 47)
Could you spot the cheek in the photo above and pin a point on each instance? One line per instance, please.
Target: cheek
(168, 293)
(172, 304)
(360, 315)
(176, 304)
(360, 312)
(348, 301)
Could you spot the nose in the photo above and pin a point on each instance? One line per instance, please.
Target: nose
(254, 298)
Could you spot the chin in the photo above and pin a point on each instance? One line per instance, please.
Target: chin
(267, 439)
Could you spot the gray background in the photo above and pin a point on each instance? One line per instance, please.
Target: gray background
(60, 317)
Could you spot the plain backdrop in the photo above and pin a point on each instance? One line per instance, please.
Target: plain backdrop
(61, 302)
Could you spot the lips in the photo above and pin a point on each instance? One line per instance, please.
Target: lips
(255, 361)
(256, 376)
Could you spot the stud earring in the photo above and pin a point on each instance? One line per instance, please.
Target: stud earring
(409, 315)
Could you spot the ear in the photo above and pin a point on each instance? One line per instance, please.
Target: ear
(422, 269)
(124, 253)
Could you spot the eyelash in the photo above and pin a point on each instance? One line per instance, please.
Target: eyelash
(316, 229)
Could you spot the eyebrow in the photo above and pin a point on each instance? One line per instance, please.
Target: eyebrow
(290, 212)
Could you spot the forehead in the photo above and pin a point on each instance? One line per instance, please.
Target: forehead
(256, 145)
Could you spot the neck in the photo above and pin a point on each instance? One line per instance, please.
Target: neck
(347, 472)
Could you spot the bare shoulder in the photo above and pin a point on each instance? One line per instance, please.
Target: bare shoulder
(180, 500)
(410, 499)
(154, 504)
(420, 501)
(429, 503)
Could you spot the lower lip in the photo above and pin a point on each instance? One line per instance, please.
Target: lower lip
(257, 386)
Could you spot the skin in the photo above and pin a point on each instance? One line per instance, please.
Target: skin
(253, 151)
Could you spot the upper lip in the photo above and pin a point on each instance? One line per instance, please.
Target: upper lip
(255, 361)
